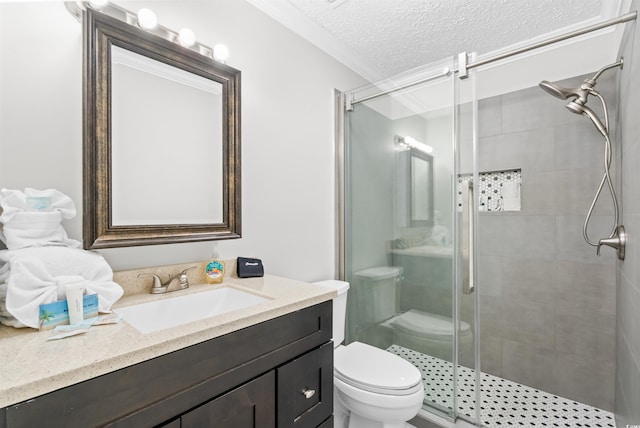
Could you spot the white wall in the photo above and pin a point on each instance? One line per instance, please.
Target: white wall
(287, 127)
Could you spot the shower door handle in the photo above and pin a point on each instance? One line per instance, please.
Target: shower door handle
(467, 236)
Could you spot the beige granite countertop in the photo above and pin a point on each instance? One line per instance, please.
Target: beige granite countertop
(426, 251)
(31, 366)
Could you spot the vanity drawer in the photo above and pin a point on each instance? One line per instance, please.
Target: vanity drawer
(249, 406)
(305, 389)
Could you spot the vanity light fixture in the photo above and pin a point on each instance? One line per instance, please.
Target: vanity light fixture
(406, 143)
(418, 145)
(186, 37)
(98, 4)
(400, 144)
(147, 19)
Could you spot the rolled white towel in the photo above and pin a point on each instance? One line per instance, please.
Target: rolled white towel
(37, 276)
(4, 272)
(23, 227)
(5, 316)
(15, 201)
(29, 229)
(11, 322)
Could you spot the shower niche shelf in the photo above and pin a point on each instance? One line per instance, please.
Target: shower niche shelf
(495, 190)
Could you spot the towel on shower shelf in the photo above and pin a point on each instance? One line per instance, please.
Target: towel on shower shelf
(511, 196)
(26, 223)
(30, 277)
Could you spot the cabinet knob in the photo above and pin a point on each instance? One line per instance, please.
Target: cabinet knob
(308, 393)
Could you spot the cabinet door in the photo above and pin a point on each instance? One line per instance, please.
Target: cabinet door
(173, 424)
(327, 423)
(305, 389)
(249, 406)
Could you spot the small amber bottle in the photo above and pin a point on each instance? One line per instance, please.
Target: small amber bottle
(214, 269)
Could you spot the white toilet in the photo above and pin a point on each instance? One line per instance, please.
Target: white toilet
(421, 331)
(372, 387)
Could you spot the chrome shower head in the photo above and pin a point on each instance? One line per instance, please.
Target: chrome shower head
(557, 91)
(583, 91)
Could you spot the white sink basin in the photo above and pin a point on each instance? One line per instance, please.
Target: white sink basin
(167, 313)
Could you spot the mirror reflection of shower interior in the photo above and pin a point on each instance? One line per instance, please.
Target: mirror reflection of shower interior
(415, 163)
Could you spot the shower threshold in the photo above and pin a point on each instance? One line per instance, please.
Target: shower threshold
(504, 403)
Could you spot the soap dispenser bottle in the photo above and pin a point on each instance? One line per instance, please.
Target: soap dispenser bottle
(214, 269)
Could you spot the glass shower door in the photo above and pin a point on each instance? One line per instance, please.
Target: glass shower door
(401, 217)
(468, 195)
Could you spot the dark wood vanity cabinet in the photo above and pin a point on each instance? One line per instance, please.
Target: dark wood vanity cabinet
(303, 385)
(278, 373)
(293, 395)
(252, 405)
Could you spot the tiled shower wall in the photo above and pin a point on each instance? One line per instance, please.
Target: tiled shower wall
(547, 301)
(627, 407)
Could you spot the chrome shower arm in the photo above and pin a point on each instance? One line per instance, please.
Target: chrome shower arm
(608, 67)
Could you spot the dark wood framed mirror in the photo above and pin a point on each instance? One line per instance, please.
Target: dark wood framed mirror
(421, 188)
(161, 140)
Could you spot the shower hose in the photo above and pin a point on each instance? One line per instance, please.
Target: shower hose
(606, 177)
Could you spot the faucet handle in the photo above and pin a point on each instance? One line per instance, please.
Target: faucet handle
(184, 279)
(617, 242)
(184, 272)
(157, 282)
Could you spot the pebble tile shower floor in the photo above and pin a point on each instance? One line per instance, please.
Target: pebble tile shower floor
(504, 403)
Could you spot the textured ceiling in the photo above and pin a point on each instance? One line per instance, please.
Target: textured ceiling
(392, 36)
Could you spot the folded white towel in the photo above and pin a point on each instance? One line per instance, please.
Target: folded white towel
(4, 274)
(5, 316)
(30, 229)
(37, 275)
(22, 227)
(14, 201)
(511, 196)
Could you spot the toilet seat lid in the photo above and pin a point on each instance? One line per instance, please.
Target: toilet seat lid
(375, 370)
(379, 273)
(428, 326)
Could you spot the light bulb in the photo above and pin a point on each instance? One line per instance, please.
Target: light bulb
(412, 142)
(220, 52)
(98, 4)
(186, 37)
(147, 19)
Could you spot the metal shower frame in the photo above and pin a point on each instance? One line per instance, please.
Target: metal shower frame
(463, 58)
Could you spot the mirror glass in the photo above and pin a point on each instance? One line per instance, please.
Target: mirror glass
(162, 119)
(161, 139)
(421, 183)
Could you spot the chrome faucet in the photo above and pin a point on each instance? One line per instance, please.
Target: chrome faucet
(178, 282)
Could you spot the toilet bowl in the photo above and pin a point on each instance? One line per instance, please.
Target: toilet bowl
(372, 387)
(377, 387)
(430, 334)
(421, 331)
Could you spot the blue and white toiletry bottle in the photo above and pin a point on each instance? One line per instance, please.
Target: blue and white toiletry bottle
(214, 269)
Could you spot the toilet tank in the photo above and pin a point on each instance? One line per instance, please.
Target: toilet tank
(376, 290)
(339, 307)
